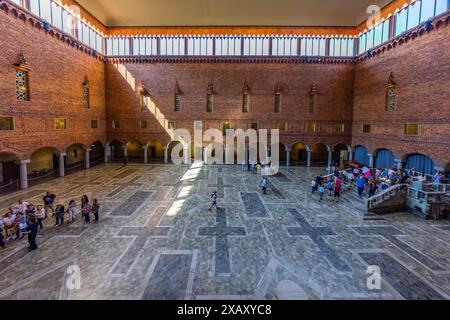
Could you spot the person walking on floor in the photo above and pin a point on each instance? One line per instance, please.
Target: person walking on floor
(49, 200)
(263, 184)
(321, 193)
(85, 211)
(95, 210)
(40, 215)
(59, 214)
(31, 231)
(360, 184)
(72, 210)
(213, 200)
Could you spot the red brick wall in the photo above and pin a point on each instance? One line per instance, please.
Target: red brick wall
(333, 101)
(421, 68)
(56, 90)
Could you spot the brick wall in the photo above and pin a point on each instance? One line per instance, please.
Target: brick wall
(333, 100)
(421, 68)
(56, 80)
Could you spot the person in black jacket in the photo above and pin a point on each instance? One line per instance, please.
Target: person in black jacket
(32, 230)
(59, 214)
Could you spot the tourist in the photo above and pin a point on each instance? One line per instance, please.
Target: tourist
(49, 200)
(360, 182)
(321, 193)
(32, 230)
(313, 186)
(263, 184)
(95, 210)
(8, 223)
(85, 210)
(59, 214)
(2, 243)
(22, 206)
(330, 187)
(40, 216)
(422, 178)
(337, 189)
(21, 225)
(372, 189)
(213, 200)
(437, 180)
(72, 210)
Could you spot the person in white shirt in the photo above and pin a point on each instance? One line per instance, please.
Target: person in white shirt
(40, 215)
(22, 206)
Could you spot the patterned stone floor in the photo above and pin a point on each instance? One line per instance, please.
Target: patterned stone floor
(157, 240)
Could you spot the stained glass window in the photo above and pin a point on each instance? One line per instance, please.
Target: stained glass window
(22, 93)
(245, 102)
(391, 91)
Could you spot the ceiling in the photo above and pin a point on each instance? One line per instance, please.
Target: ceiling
(230, 12)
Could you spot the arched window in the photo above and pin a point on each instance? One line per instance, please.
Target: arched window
(312, 99)
(143, 98)
(278, 98)
(245, 97)
(86, 103)
(178, 94)
(210, 98)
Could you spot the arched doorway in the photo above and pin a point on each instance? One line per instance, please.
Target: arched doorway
(75, 158)
(9, 172)
(135, 151)
(384, 158)
(319, 154)
(177, 145)
(116, 150)
(155, 150)
(299, 154)
(340, 154)
(44, 163)
(421, 162)
(361, 155)
(97, 155)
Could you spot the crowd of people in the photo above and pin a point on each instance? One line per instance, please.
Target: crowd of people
(26, 219)
(368, 181)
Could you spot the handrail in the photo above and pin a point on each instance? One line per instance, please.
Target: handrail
(10, 183)
(384, 195)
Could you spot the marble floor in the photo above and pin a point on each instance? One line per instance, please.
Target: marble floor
(157, 240)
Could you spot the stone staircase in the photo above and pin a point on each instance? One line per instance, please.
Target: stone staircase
(390, 200)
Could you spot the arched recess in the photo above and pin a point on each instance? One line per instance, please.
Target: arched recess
(319, 154)
(384, 158)
(281, 152)
(116, 148)
(97, 153)
(361, 155)
(341, 154)
(299, 154)
(155, 150)
(75, 155)
(9, 169)
(44, 161)
(170, 148)
(135, 150)
(421, 162)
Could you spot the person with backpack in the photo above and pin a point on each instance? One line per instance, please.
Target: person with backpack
(213, 200)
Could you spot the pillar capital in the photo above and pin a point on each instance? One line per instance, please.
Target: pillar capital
(88, 150)
(27, 161)
(63, 154)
